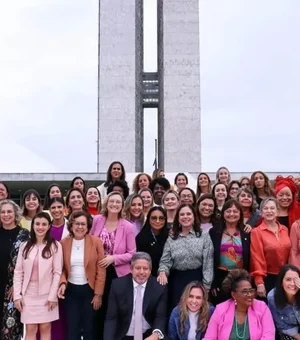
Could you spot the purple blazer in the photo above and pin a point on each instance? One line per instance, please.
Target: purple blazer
(261, 325)
(124, 246)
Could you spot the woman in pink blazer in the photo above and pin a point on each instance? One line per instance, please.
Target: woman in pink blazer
(36, 278)
(241, 317)
(118, 239)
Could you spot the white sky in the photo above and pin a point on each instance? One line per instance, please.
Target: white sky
(249, 84)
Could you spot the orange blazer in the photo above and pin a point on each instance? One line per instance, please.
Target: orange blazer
(93, 253)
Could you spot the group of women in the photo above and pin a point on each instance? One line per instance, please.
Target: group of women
(234, 245)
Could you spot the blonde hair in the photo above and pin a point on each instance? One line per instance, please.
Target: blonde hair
(127, 206)
(203, 315)
(135, 185)
(104, 210)
(170, 192)
(156, 173)
(17, 210)
(218, 173)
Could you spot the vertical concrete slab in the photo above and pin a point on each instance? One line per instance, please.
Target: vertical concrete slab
(117, 83)
(179, 68)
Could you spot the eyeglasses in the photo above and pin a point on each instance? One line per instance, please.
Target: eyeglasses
(246, 292)
(157, 218)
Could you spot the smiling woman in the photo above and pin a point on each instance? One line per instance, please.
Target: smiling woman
(231, 246)
(153, 236)
(31, 205)
(284, 302)
(187, 255)
(134, 212)
(82, 280)
(35, 290)
(190, 318)
(270, 248)
(117, 236)
(75, 201)
(242, 316)
(11, 237)
(93, 199)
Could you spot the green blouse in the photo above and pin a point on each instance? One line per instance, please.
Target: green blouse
(240, 328)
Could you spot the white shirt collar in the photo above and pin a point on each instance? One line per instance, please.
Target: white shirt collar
(135, 284)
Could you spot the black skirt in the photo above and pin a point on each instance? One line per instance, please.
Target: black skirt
(177, 281)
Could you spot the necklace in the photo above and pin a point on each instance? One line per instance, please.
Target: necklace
(237, 328)
(78, 245)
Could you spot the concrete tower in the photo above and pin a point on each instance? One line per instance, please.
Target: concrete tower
(125, 90)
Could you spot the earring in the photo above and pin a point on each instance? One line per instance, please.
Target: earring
(235, 302)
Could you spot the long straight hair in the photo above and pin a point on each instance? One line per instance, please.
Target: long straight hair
(29, 193)
(280, 296)
(109, 179)
(47, 196)
(199, 191)
(203, 315)
(177, 226)
(48, 239)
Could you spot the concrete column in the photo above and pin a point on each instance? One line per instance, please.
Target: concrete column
(117, 84)
(179, 60)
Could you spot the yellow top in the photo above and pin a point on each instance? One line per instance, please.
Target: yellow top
(25, 223)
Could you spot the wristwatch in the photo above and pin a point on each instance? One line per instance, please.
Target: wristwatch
(159, 333)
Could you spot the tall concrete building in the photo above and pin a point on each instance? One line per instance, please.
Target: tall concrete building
(125, 89)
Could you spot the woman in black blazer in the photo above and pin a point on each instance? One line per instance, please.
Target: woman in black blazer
(153, 236)
(231, 246)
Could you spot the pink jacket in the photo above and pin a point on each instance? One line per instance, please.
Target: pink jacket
(295, 240)
(124, 246)
(49, 272)
(261, 325)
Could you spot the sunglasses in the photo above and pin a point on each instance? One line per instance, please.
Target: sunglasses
(157, 218)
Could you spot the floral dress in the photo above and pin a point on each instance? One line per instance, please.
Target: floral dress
(12, 328)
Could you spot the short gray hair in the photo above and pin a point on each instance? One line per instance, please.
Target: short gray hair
(141, 255)
(17, 210)
(267, 200)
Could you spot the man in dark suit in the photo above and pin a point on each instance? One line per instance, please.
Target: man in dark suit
(137, 304)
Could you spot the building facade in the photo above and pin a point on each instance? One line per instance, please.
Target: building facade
(125, 89)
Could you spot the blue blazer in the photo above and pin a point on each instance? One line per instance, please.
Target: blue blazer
(174, 326)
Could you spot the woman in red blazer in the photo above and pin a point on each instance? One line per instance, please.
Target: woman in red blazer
(117, 236)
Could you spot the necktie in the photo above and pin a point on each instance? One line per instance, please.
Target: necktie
(138, 315)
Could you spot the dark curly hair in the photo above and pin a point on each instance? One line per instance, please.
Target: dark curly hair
(161, 181)
(234, 277)
(119, 183)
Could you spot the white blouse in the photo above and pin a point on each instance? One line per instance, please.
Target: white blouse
(193, 316)
(77, 274)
